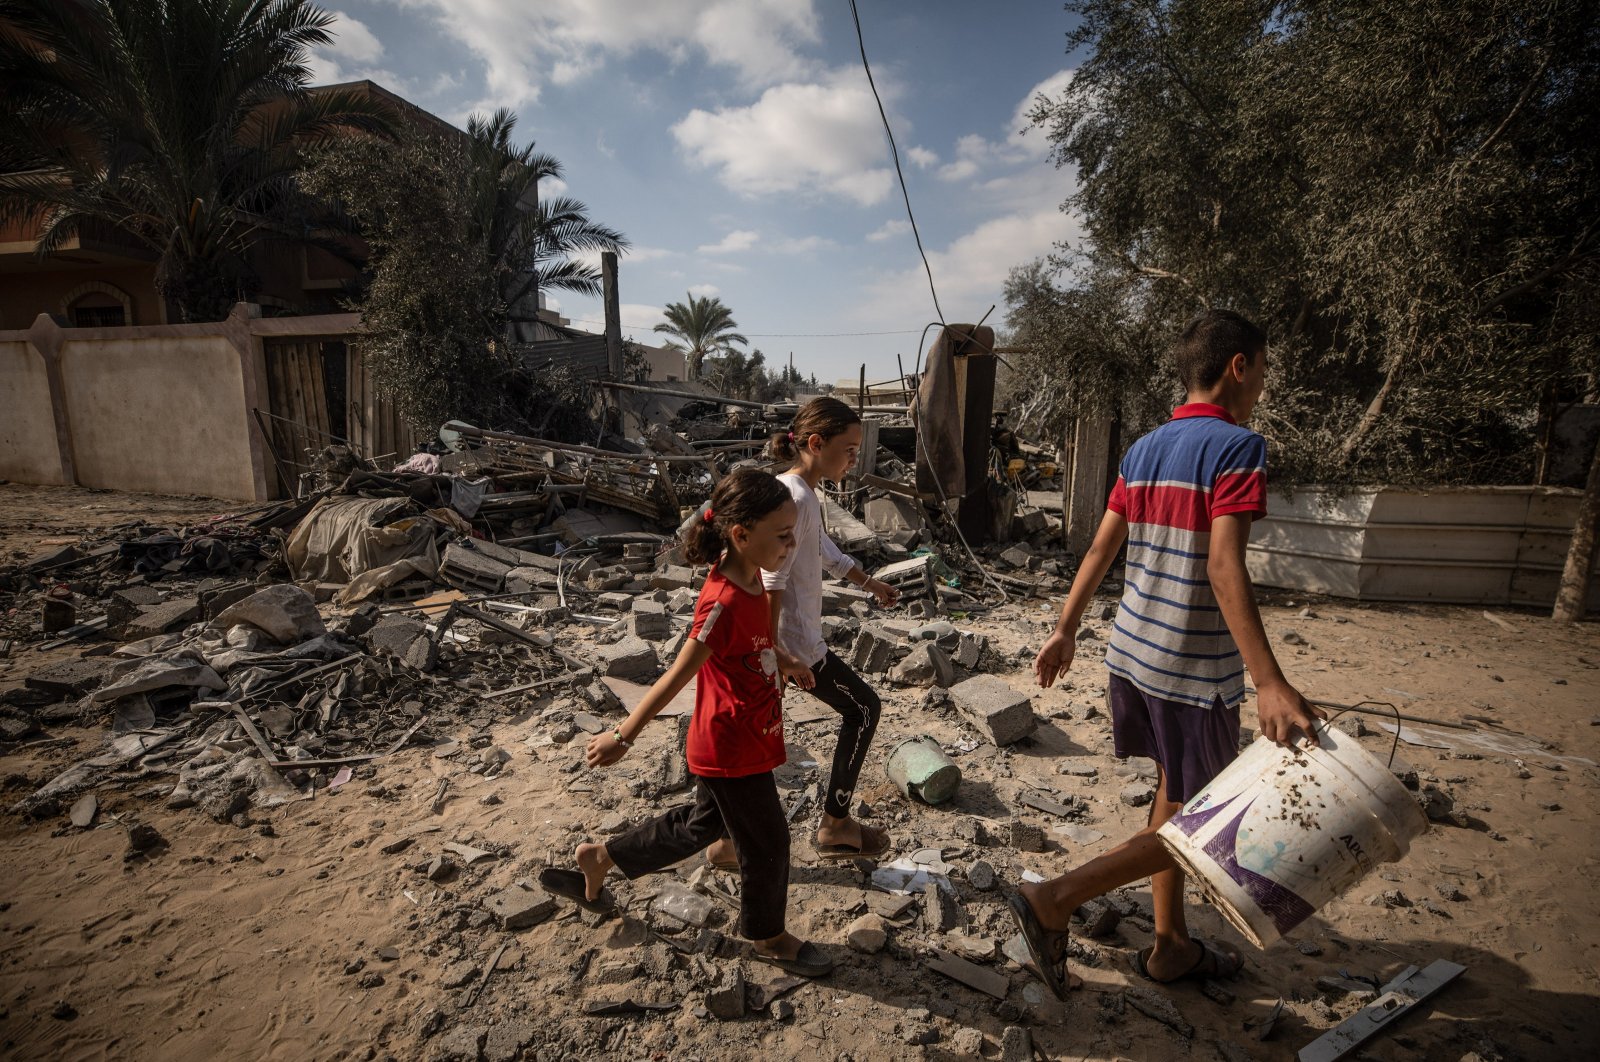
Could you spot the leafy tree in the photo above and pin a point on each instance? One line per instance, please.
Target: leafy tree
(737, 375)
(531, 241)
(177, 122)
(1402, 193)
(700, 326)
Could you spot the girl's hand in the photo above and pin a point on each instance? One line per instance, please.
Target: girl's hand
(886, 595)
(794, 671)
(603, 750)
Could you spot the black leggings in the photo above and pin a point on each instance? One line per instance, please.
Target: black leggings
(748, 810)
(858, 706)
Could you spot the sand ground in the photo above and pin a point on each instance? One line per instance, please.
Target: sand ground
(298, 937)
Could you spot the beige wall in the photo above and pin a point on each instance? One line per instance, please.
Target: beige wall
(164, 414)
(28, 449)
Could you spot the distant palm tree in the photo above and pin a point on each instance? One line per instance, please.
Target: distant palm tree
(531, 240)
(699, 327)
(176, 122)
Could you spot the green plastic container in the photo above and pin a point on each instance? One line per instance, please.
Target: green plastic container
(919, 768)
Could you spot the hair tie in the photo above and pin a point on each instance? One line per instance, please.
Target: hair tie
(709, 515)
(791, 436)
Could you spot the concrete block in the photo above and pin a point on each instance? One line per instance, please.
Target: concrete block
(651, 626)
(633, 658)
(969, 650)
(925, 665)
(725, 999)
(672, 577)
(892, 513)
(469, 569)
(1000, 713)
(159, 619)
(517, 908)
(873, 651)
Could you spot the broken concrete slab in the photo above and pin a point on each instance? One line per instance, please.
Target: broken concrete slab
(726, 998)
(284, 612)
(925, 665)
(1000, 713)
(69, 678)
(873, 650)
(159, 619)
(632, 658)
(672, 577)
(518, 908)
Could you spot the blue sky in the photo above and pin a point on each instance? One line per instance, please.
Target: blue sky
(737, 145)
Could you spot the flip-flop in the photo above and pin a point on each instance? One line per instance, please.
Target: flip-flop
(1046, 947)
(809, 961)
(853, 851)
(1214, 964)
(571, 885)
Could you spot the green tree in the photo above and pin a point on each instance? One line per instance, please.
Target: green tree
(700, 326)
(532, 242)
(1402, 193)
(178, 122)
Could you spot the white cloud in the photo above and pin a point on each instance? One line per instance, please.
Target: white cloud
(734, 242)
(803, 245)
(1020, 143)
(352, 55)
(969, 273)
(1033, 142)
(641, 316)
(646, 254)
(523, 45)
(971, 151)
(821, 137)
(891, 228)
(922, 158)
(704, 290)
(550, 187)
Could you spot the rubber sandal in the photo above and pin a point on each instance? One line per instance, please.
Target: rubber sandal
(1047, 948)
(851, 851)
(1214, 964)
(571, 885)
(809, 961)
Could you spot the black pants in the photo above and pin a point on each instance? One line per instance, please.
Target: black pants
(746, 809)
(858, 706)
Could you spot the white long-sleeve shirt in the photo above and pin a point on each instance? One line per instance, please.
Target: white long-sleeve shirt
(800, 609)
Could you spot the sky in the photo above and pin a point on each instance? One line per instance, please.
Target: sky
(738, 146)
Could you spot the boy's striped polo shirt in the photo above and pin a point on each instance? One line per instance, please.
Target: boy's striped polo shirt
(1169, 638)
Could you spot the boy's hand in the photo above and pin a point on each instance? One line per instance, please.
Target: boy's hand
(794, 671)
(602, 751)
(1054, 658)
(1282, 712)
(886, 595)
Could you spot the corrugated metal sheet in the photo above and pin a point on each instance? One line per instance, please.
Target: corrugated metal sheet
(1461, 545)
(585, 356)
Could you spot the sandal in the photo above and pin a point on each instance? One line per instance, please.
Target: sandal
(1046, 947)
(873, 845)
(1213, 964)
(571, 885)
(809, 961)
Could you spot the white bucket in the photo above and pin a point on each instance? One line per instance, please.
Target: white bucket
(1282, 831)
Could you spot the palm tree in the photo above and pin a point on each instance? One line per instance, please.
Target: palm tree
(177, 122)
(699, 327)
(531, 240)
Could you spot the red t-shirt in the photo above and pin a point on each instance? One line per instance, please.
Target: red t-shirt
(737, 728)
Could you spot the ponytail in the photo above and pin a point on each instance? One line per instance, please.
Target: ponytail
(743, 497)
(825, 416)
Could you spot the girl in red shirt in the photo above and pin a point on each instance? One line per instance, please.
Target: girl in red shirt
(735, 736)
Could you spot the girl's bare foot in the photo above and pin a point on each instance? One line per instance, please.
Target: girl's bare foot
(594, 861)
(722, 853)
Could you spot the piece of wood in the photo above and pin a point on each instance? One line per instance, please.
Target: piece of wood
(255, 735)
(1087, 487)
(982, 978)
(1498, 622)
(1396, 998)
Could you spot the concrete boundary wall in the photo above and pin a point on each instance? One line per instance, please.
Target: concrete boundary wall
(156, 408)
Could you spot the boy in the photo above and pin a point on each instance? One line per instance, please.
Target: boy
(1184, 502)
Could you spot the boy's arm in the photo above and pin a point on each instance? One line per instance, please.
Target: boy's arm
(604, 748)
(1056, 655)
(1280, 708)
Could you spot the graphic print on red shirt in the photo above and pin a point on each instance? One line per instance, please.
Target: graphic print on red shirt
(737, 727)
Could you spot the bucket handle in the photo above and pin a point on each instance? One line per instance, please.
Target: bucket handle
(1340, 709)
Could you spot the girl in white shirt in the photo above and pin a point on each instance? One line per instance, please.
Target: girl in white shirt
(823, 445)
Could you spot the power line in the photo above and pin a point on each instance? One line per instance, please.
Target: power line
(895, 153)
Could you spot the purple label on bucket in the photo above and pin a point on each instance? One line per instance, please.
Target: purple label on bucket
(1190, 824)
(1285, 908)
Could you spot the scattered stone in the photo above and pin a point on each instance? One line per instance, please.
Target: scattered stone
(725, 999)
(159, 619)
(1309, 948)
(969, 650)
(632, 658)
(470, 856)
(143, 838)
(84, 811)
(63, 1011)
(506, 1039)
(398, 845)
(925, 665)
(873, 650)
(981, 876)
(516, 908)
(1136, 796)
(370, 979)
(1158, 1005)
(1078, 768)
(1217, 993)
(1448, 891)
(1291, 637)
(672, 577)
(1016, 1045)
(459, 974)
(1026, 837)
(922, 1037)
(867, 934)
(1000, 713)
(941, 912)
(782, 1010)
(464, 1043)
(440, 868)
(1099, 919)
